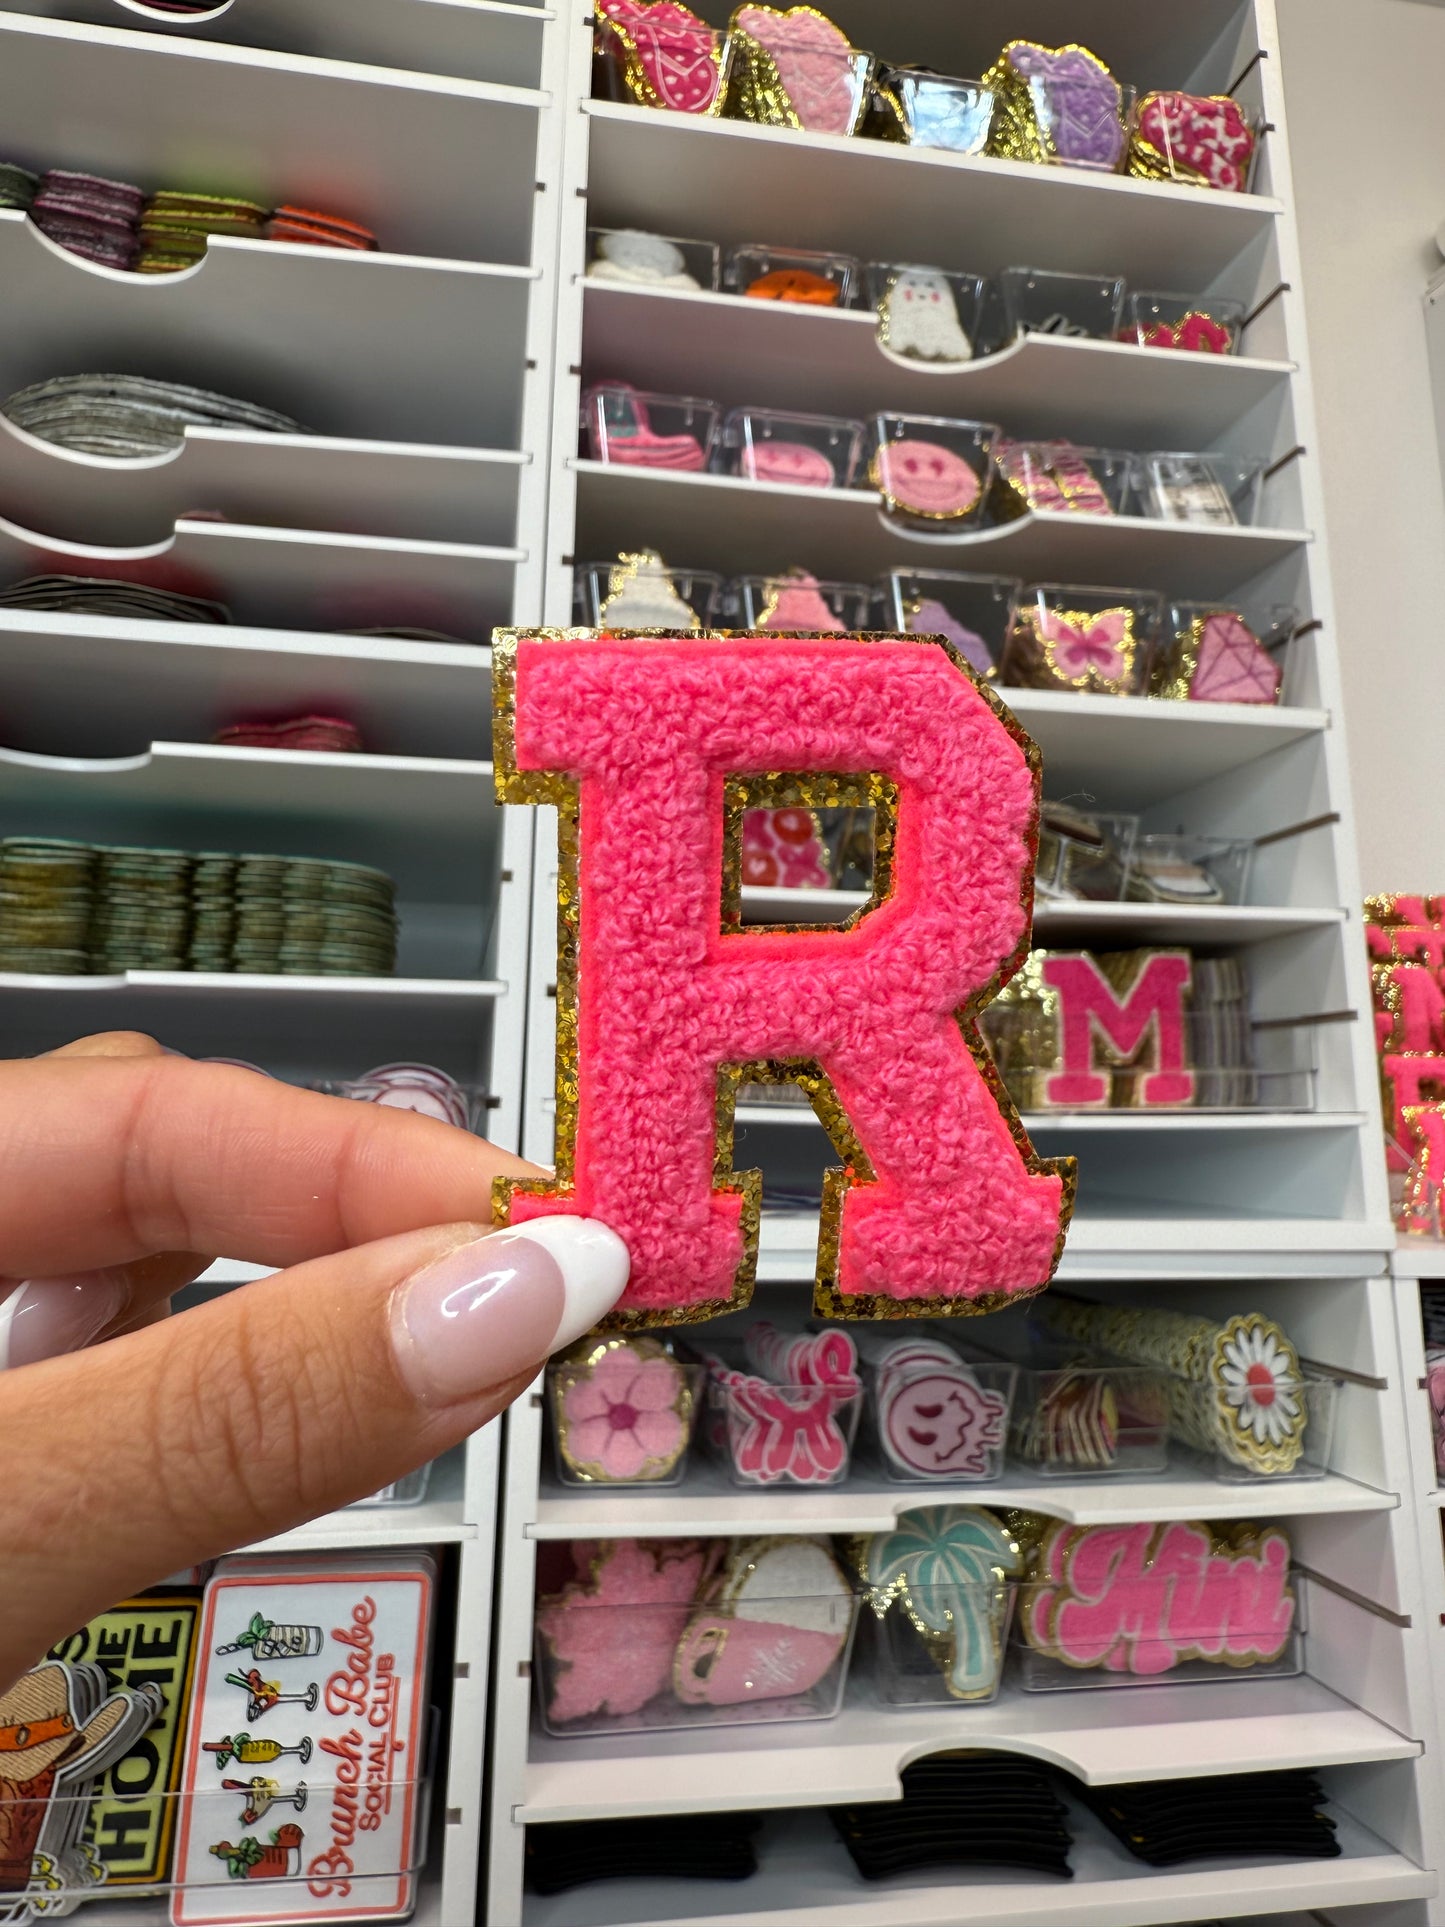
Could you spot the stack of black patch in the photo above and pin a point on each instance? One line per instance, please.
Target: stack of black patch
(1273, 1815)
(705, 1846)
(962, 1810)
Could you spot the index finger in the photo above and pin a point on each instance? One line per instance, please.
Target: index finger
(104, 1160)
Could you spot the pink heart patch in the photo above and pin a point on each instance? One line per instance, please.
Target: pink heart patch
(1203, 138)
(815, 63)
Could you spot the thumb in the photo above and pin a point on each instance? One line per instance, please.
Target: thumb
(279, 1401)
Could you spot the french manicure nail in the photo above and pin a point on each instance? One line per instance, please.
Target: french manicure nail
(47, 1317)
(498, 1306)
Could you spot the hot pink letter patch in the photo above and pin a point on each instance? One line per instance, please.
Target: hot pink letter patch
(941, 1205)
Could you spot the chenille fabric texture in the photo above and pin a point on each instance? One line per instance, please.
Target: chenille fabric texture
(651, 727)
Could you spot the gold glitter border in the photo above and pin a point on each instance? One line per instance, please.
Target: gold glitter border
(555, 788)
(897, 506)
(755, 88)
(634, 71)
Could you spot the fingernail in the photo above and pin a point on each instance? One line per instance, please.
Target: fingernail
(47, 1317)
(497, 1307)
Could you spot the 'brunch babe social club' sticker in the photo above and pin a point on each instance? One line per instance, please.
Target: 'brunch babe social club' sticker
(303, 1753)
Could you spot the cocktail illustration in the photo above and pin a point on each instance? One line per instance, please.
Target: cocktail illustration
(246, 1750)
(263, 1794)
(263, 1694)
(247, 1859)
(265, 1639)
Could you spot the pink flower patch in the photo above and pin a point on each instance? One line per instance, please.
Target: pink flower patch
(626, 1415)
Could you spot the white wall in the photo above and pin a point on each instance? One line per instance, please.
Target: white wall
(1365, 87)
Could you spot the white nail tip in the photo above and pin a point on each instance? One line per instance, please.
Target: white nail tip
(594, 1265)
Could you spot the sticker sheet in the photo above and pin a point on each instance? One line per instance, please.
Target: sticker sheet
(146, 1643)
(306, 1742)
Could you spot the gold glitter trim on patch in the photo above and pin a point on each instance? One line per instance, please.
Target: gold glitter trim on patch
(812, 790)
(896, 505)
(755, 89)
(1039, 664)
(1146, 162)
(1016, 133)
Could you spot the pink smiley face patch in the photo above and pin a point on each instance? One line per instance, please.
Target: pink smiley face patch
(798, 464)
(926, 479)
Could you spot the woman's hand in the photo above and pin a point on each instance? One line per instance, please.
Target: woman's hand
(399, 1327)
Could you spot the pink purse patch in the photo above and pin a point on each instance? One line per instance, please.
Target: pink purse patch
(673, 57)
(779, 1622)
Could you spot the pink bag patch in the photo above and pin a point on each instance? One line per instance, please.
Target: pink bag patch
(777, 1622)
(677, 56)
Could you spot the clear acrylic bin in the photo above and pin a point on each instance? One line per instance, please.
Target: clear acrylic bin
(1289, 1437)
(640, 259)
(1058, 478)
(798, 601)
(660, 57)
(1226, 652)
(1201, 324)
(1196, 140)
(927, 314)
(255, 1846)
(941, 1422)
(972, 611)
(1087, 1417)
(931, 470)
(640, 1668)
(1065, 1644)
(1098, 641)
(1084, 855)
(1091, 133)
(802, 84)
(767, 1434)
(615, 593)
(792, 274)
(1044, 301)
(645, 430)
(414, 1087)
(1194, 870)
(799, 451)
(1216, 491)
(623, 1412)
(937, 1645)
(411, 1489)
(939, 111)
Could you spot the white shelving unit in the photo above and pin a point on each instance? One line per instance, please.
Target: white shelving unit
(1285, 1213)
(416, 500)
